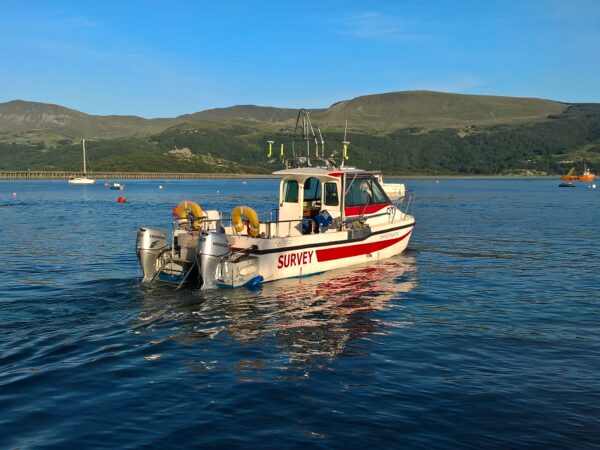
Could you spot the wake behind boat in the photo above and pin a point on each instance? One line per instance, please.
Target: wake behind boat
(328, 216)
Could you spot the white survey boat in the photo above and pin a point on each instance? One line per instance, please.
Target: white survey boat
(327, 217)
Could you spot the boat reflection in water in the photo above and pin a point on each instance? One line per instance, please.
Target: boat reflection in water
(305, 319)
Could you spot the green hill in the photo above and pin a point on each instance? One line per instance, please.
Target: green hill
(382, 112)
(249, 112)
(427, 109)
(400, 133)
(31, 120)
(23, 119)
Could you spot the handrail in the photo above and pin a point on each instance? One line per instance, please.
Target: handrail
(404, 205)
(176, 223)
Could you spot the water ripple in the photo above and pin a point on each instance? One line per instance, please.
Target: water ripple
(484, 334)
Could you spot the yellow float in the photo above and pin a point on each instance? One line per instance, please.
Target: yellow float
(238, 224)
(184, 208)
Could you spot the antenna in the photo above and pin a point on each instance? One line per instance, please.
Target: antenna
(84, 171)
(322, 143)
(304, 130)
(345, 143)
(312, 131)
(308, 132)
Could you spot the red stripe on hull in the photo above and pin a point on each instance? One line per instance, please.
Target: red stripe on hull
(330, 254)
(367, 209)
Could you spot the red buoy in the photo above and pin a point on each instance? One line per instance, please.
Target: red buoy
(121, 200)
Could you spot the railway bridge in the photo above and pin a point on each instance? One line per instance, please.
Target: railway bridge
(64, 175)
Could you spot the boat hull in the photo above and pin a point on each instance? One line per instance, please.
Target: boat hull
(278, 259)
(317, 260)
(81, 181)
(587, 177)
(394, 191)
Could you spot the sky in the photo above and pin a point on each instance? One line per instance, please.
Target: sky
(163, 59)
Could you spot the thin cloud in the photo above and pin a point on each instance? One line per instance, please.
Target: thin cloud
(76, 22)
(457, 84)
(376, 26)
(49, 24)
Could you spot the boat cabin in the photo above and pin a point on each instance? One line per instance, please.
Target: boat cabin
(312, 197)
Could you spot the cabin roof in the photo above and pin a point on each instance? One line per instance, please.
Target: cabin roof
(304, 171)
(320, 172)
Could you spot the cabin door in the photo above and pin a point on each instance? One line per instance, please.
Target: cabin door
(331, 198)
(290, 209)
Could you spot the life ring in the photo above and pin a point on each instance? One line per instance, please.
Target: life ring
(236, 218)
(181, 211)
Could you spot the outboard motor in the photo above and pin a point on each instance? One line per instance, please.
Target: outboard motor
(150, 244)
(212, 247)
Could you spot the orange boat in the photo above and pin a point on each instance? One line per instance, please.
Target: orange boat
(586, 176)
(570, 176)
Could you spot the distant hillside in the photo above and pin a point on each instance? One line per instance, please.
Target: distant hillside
(434, 110)
(41, 121)
(19, 118)
(402, 133)
(380, 112)
(250, 112)
(550, 146)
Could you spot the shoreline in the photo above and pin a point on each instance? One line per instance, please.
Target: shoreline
(230, 176)
(475, 177)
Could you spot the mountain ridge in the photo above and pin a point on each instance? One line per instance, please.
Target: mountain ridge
(416, 132)
(384, 111)
(431, 109)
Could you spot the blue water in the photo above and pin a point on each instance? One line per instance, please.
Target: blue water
(485, 333)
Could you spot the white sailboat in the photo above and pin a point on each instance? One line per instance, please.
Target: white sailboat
(84, 179)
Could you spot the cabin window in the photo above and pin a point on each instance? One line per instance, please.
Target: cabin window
(331, 194)
(290, 191)
(312, 190)
(365, 191)
(379, 195)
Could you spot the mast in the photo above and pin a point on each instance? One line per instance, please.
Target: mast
(305, 131)
(84, 172)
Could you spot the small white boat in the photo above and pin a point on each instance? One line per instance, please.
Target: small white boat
(117, 187)
(394, 191)
(328, 216)
(84, 179)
